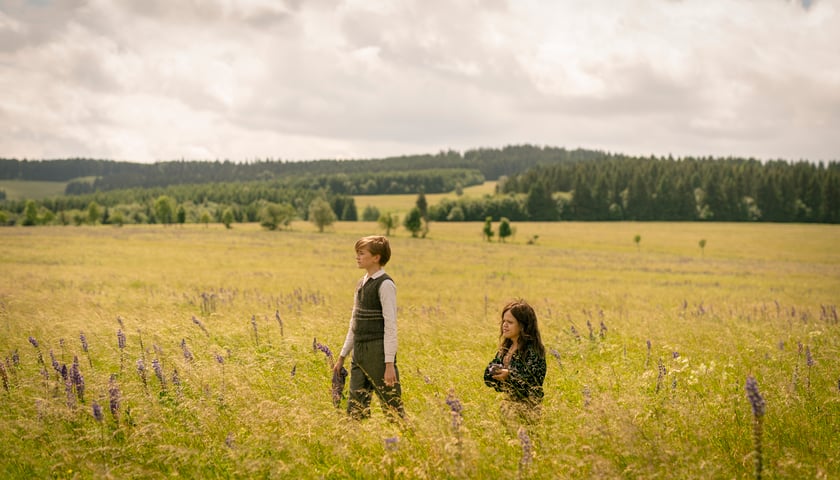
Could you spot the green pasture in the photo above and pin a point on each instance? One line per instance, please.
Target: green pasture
(401, 204)
(650, 346)
(31, 189)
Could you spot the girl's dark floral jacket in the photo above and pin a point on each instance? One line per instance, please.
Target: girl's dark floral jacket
(527, 372)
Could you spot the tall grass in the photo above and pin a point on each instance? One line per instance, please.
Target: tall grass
(650, 352)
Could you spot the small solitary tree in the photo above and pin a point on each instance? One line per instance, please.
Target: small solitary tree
(388, 221)
(413, 221)
(321, 214)
(637, 239)
(488, 229)
(504, 229)
(702, 244)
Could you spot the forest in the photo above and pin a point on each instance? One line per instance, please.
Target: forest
(534, 184)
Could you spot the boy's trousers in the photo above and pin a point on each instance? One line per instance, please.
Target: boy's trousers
(367, 376)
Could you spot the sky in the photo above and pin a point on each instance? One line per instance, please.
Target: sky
(243, 80)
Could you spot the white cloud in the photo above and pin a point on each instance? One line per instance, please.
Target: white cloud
(150, 80)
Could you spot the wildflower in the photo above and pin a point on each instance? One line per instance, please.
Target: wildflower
(294, 369)
(587, 396)
(675, 354)
(316, 345)
(188, 356)
(575, 333)
(254, 326)
(338, 381)
(114, 396)
(455, 409)
(141, 369)
(84, 342)
(97, 411)
(120, 321)
(758, 408)
(391, 444)
(755, 398)
(16, 359)
(556, 355)
(121, 339)
(55, 364)
(78, 380)
(589, 326)
(220, 359)
(159, 373)
(662, 372)
(603, 332)
(33, 342)
(527, 448)
(809, 360)
(200, 325)
(68, 391)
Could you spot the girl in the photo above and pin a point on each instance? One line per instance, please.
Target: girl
(518, 369)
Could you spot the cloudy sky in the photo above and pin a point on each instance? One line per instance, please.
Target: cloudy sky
(156, 80)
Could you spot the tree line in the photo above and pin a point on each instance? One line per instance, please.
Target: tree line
(534, 184)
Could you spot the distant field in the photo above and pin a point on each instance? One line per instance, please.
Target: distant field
(400, 204)
(26, 189)
(649, 346)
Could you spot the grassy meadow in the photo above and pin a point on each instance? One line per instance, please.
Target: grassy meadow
(188, 371)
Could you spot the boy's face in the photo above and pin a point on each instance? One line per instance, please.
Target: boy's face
(365, 260)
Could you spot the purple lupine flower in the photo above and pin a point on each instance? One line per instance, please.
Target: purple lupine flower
(121, 339)
(675, 354)
(200, 325)
(97, 411)
(16, 358)
(220, 359)
(114, 396)
(648, 346)
(391, 444)
(141, 369)
(83, 339)
(68, 392)
(320, 346)
(755, 398)
(758, 408)
(661, 377)
(809, 360)
(188, 356)
(64, 372)
(589, 326)
(575, 333)
(294, 370)
(78, 380)
(455, 409)
(556, 355)
(33, 342)
(176, 380)
(120, 321)
(338, 380)
(159, 373)
(55, 364)
(256, 332)
(527, 448)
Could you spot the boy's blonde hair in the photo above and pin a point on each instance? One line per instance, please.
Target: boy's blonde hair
(376, 245)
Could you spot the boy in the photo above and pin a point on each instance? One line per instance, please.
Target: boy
(372, 335)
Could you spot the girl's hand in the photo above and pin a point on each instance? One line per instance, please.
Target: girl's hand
(502, 374)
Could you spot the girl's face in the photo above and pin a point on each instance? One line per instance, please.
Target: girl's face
(511, 327)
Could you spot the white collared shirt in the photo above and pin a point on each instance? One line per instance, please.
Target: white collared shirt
(388, 298)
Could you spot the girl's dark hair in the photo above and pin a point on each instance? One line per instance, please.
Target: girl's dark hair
(530, 337)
